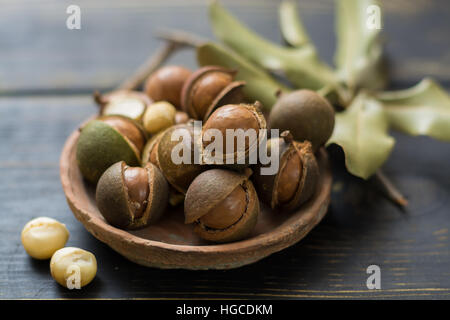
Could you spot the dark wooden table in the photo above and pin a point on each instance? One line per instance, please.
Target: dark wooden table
(48, 72)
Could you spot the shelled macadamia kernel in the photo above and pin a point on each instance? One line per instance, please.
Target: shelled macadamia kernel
(42, 237)
(73, 268)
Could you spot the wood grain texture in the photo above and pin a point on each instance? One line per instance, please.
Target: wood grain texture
(38, 53)
(361, 228)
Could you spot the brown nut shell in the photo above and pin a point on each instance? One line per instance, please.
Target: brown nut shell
(209, 88)
(113, 197)
(269, 185)
(208, 192)
(234, 116)
(180, 175)
(149, 154)
(166, 83)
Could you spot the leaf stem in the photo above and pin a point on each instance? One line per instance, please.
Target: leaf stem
(390, 189)
(181, 38)
(149, 66)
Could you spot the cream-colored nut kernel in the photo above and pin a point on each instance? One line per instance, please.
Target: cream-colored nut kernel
(42, 236)
(159, 116)
(73, 268)
(125, 106)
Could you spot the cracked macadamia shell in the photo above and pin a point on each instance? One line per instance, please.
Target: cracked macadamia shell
(100, 145)
(268, 186)
(243, 117)
(113, 198)
(128, 103)
(209, 88)
(208, 191)
(179, 175)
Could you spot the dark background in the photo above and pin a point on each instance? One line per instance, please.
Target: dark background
(47, 75)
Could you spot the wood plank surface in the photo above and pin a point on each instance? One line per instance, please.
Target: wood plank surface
(361, 228)
(38, 53)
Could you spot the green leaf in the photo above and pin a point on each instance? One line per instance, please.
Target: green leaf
(300, 65)
(359, 50)
(259, 84)
(291, 26)
(362, 132)
(421, 110)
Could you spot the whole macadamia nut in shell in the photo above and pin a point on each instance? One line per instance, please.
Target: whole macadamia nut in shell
(306, 114)
(209, 88)
(166, 83)
(222, 204)
(296, 179)
(131, 197)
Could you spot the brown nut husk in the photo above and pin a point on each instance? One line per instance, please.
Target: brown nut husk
(129, 103)
(223, 204)
(306, 114)
(159, 152)
(150, 150)
(244, 117)
(166, 84)
(296, 178)
(132, 197)
(209, 88)
(150, 155)
(107, 140)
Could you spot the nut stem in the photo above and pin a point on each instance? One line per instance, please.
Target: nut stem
(180, 37)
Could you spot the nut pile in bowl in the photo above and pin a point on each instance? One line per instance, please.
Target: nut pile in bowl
(192, 139)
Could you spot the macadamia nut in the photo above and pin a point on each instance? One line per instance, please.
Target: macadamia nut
(159, 116)
(42, 237)
(126, 106)
(73, 268)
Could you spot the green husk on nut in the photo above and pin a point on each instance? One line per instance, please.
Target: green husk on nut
(209, 88)
(107, 140)
(307, 115)
(223, 204)
(297, 176)
(131, 197)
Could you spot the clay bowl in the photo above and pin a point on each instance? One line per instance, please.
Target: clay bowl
(172, 244)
